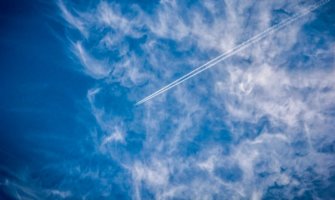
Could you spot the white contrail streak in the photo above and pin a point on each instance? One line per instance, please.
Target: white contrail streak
(235, 50)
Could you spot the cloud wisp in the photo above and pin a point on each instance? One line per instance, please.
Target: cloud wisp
(234, 50)
(260, 127)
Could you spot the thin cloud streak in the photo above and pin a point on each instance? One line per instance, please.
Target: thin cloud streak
(235, 50)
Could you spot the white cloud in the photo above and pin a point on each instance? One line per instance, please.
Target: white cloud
(93, 67)
(258, 84)
(74, 21)
(61, 194)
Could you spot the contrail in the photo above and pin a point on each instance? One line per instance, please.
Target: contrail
(235, 50)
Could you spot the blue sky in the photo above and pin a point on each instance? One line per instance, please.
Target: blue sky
(257, 125)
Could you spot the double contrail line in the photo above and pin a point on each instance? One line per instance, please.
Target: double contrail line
(235, 50)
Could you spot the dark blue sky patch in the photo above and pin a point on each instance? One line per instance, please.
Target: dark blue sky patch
(114, 100)
(229, 173)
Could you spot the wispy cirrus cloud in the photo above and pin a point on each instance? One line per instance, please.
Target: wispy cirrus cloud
(257, 125)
